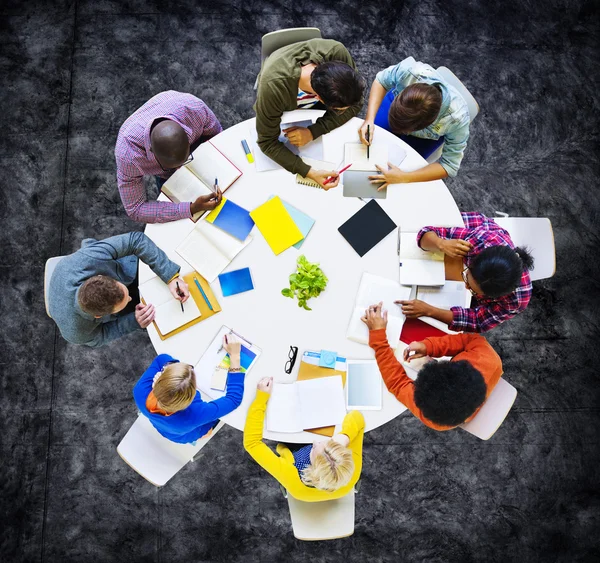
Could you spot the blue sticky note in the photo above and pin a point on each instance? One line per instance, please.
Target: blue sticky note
(302, 220)
(327, 359)
(234, 220)
(237, 281)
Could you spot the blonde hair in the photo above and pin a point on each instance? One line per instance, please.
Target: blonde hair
(331, 469)
(175, 389)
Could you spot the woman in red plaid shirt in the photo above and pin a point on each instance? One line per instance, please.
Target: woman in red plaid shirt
(494, 271)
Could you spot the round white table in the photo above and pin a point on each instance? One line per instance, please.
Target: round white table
(267, 318)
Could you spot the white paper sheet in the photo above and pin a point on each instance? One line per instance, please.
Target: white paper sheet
(169, 316)
(356, 153)
(283, 409)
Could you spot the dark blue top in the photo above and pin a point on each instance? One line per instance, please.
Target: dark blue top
(196, 420)
(302, 458)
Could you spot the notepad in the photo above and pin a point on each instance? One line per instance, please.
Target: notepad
(276, 225)
(311, 403)
(197, 178)
(356, 153)
(236, 282)
(317, 165)
(232, 219)
(168, 314)
(209, 250)
(451, 294)
(302, 220)
(372, 290)
(417, 266)
(367, 228)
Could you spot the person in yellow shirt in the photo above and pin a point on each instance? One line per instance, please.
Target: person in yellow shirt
(324, 470)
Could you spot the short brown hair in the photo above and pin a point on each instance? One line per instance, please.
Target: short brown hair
(175, 389)
(99, 295)
(415, 108)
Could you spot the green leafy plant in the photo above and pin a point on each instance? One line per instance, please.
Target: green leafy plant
(307, 281)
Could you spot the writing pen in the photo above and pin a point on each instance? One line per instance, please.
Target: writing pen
(368, 139)
(180, 295)
(331, 178)
(216, 186)
(203, 294)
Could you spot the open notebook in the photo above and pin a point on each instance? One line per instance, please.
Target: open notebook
(417, 266)
(168, 310)
(311, 403)
(210, 250)
(372, 290)
(197, 178)
(451, 294)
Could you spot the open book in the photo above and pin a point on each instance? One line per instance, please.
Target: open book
(210, 250)
(372, 290)
(168, 310)
(198, 177)
(451, 294)
(311, 403)
(417, 266)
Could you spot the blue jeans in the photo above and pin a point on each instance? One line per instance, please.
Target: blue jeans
(425, 147)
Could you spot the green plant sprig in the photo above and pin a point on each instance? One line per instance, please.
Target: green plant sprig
(307, 281)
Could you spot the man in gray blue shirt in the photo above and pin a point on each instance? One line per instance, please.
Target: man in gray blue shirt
(88, 288)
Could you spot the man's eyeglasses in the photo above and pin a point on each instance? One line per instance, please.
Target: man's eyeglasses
(187, 161)
(292, 355)
(465, 279)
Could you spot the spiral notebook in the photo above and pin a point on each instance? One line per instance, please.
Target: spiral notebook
(317, 165)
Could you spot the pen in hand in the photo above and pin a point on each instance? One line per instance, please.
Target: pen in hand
(180, 295)
(368, 139)
(216, 186)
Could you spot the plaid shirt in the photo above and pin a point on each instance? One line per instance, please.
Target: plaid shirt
(486, 312)
(135, 159)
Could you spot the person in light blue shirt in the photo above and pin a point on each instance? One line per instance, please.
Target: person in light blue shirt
(413, 101)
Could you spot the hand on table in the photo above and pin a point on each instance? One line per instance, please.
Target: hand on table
(391, 176)
(265, 384)
(362, 132)
(320, 176)
(144, 314)
(455, 248)
(183, 293)
(418, 347)
(375, 317)
(415, 308)
(298, 136)
(206, 202)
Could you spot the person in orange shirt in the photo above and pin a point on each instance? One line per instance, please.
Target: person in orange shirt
(446, 393)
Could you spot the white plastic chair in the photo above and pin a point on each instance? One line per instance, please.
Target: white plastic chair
(51, 264)
(153, 456)
(536, 234)
(325, 520)
(283, 37)
(493, 412)
(472, 104)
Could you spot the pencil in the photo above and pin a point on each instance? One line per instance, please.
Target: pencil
(203, 294)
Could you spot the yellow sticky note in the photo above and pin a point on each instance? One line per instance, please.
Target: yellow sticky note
(215, 212)
(276, 225)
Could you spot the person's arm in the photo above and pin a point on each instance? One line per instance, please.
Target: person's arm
(378, 92)
(270, 105)
(449, 345)
(432, 238)
(453, 151)
(393, 175)
(134, 198)
(208, 412)
(137, 244)
(204, 121)
(253, 438)
(107, 332)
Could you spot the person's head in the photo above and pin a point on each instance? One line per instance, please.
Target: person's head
(448, 393)
(170, 144)
(101, 295)
(415, 108)
(175, 388)
(331, 466)
(497, 270)
(337, 84)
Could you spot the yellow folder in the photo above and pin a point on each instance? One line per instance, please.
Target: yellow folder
(276, 225)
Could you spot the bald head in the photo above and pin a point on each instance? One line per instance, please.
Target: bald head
(169, 144)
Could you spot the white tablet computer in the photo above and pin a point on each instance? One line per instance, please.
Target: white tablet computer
(364, 386)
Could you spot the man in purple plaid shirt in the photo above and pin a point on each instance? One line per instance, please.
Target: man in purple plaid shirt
(155, 140)
(495, 272)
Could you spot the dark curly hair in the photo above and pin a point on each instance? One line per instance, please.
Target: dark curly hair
(337, 84)
(449, 392)
(498, 269)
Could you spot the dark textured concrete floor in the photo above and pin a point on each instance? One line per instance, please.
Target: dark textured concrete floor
(72, 71)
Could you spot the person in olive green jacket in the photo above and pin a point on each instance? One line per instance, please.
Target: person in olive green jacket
(318, 71)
